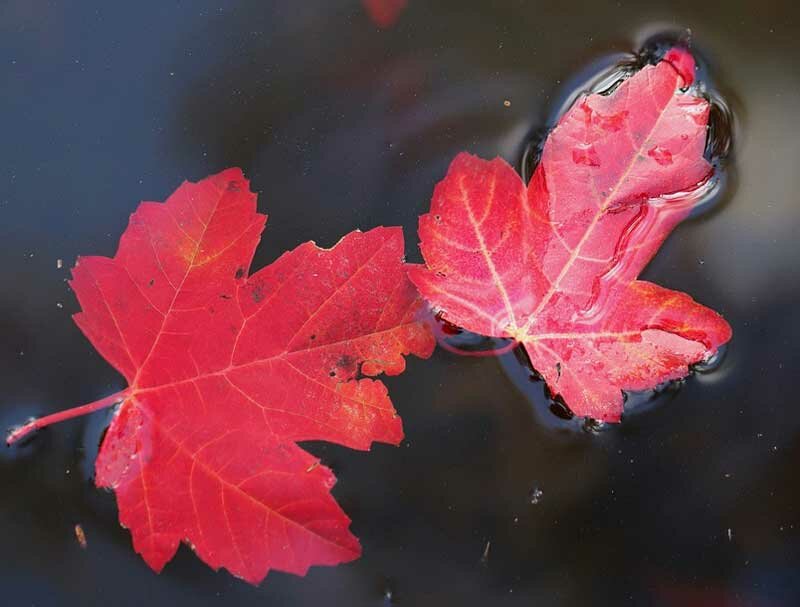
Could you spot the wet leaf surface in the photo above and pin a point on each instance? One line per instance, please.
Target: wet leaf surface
(554, 264)
(227, 371)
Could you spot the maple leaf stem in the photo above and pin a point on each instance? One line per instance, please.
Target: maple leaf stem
(43, 422)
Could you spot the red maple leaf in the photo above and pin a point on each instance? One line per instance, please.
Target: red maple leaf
(227, 372)
(554, 265)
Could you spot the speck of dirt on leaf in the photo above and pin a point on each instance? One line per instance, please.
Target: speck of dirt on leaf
(345, 361)
(257, 293)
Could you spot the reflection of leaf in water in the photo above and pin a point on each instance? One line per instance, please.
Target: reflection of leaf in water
(384, 13)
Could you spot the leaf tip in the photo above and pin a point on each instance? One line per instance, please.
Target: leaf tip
(683, 62)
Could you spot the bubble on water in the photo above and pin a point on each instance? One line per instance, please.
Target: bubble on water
(535, 495)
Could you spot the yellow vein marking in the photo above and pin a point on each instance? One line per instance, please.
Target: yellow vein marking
(486, 254)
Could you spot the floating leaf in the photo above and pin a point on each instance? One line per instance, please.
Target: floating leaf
(553, 265)
(226, 372)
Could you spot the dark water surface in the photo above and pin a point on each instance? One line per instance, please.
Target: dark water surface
(691, 502)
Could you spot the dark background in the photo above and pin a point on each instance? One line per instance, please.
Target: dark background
(339, 124)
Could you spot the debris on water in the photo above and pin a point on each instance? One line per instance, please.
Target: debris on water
(485, 555)
(59, 304)
(81, 536)
(535, 495)
(593, 426)
(388, 593)
(59, 264)
(507, 102)
(730, 534)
